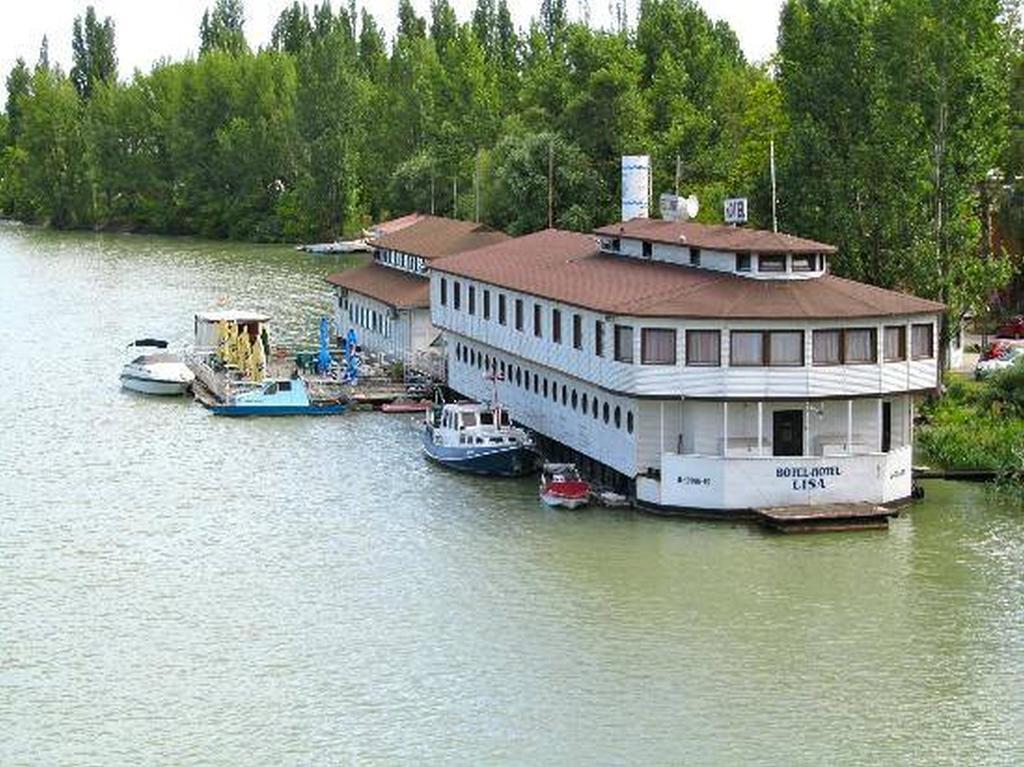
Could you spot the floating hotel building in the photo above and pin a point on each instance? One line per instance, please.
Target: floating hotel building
(387, 301)
(695, 366)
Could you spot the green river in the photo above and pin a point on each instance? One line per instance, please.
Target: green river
(181, 589)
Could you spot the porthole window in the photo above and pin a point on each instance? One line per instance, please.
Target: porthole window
(618, 417)
(526, 380)
(503, 368)
(545, 388)
(584, 408)
(593, 408)
(606, 411)
(565, 395)
(536, 384)
(519, 376)
(554, 392)
(629, 421)
(575, 399)
(458, 351)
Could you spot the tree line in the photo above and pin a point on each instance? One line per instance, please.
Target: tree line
(897, 127)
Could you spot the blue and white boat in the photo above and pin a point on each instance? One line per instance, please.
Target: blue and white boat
(278, 397)
(479, 439)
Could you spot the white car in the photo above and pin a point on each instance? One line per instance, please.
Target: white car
(1005, 359)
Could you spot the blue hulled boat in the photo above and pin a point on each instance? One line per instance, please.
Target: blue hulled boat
(478, 439)
(278, 397)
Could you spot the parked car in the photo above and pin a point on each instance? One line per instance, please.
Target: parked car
(999, 356)
(1013, 328)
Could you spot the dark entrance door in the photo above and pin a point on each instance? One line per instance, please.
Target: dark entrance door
(886, 426)
(788, 432)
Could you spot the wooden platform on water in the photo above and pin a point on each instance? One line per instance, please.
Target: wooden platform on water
(832, 517)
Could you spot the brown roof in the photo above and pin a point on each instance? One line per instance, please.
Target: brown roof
(433, 237)
(568, 267)
(393, 225)
(394, 287)
(713, 236)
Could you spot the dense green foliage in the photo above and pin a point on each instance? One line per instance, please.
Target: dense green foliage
(332, 126)
(977, 425)
(887, 115)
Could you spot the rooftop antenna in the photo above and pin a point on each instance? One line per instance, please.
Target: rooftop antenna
(679, 173)
(476, 188)
(431, 193)
(775, 218)
(551, 184)
(455, 196)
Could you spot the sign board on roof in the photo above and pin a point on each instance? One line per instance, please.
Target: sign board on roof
(736, 210)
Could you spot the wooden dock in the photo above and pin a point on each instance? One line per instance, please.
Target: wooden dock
(831, 517)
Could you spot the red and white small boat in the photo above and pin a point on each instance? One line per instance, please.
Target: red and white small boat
(561, 485)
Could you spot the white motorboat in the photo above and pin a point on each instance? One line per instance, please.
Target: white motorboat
(154, 370)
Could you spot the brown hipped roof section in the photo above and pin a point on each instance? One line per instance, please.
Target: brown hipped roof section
(731, 239)
(568, 267)
(391, 286)
(433, 237)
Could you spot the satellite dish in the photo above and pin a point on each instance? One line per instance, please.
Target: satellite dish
(691, 206)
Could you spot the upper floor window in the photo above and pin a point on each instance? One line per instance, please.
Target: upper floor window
(456, 295)
(894, 343)
(742, 262)
(556, 326)
(922, 341)
(444, 291)
(804, 263)
(694, 256)
(623, 343)
(538, 328)
(487, 304)
(598, 338)
(648, 249)
(472, 300)
(771, 263)
(860, 346)
(502, 316)
(519, 314)
(827, 347)
(577, 332)
(775, 348)
(704, 347)
(657, 346)
(616, 245)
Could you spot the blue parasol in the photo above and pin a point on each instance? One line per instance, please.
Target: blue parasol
(323, 357)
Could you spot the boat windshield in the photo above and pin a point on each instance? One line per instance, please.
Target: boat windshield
(504, 418)
(487, 419)
(468, 419)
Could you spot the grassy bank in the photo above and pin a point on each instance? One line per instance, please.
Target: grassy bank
(976, 425)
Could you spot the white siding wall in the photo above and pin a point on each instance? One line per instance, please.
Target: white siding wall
(808, 382)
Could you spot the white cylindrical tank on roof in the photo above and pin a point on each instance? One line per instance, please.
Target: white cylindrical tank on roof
(636, 186)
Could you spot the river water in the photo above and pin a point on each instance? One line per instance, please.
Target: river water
(177, 588)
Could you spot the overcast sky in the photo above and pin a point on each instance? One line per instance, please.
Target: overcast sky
(148, 30)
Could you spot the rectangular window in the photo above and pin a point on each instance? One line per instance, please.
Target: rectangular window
(502, 317)
(577, 332)
(694, 256)
(771, 263)
(538, 328)
(704, 347)
(456, 295)
(746, 348)
(742, 262)
(616, 245)
(828, 347)
(894, 342)
(860, 346)
(519, 314)
(657, 346)
(598, 338)
(786, 348)
(556, 326)
(444, 292)
(921, 341)
(472, 300)
(803, 263)
(623, 343)
(487, 304)
(648, 249)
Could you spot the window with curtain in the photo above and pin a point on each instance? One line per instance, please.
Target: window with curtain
(894, 342)
(786, 348)
(623, 343)
(827, 347)
(746, 348)
(859, 346)
(804, 263)
(921, 342)
(771, 263)
(658, 346)
(704, 347)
